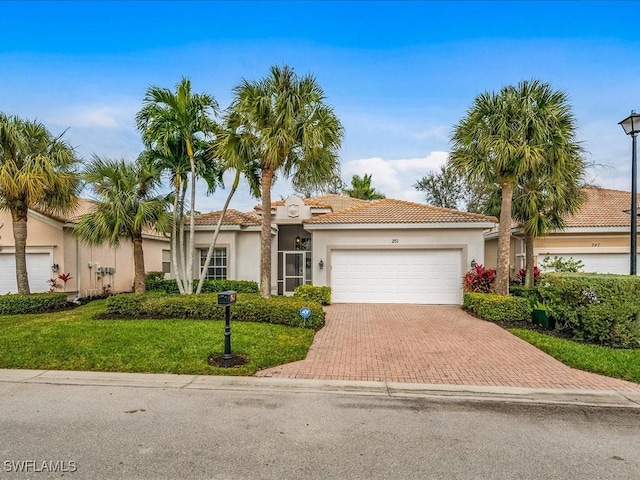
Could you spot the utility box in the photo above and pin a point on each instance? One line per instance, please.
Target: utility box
(227, 298)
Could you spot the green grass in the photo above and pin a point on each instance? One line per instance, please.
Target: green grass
(612, 362)
(73, 340)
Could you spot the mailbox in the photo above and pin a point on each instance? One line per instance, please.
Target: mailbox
(227, 298)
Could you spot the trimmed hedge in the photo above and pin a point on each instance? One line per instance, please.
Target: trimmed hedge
(249, 308)
(594, 308)
(321, 295)
(155, 284)
(498, 308)
(530, 293)
(15, 304)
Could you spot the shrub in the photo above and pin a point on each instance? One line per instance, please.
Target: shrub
(594, 308)
(15, 304)
(249, 308)
(523, 272)
(558, 264)
(157, 284)
(479, 279)
(322, 295)
(530, 293)
(498, 308)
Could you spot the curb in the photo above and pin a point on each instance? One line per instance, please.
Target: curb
(593, 398)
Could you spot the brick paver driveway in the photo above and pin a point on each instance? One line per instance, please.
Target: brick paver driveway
(431, 344)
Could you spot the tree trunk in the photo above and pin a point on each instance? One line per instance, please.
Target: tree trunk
(528, 245)
(212, 245)
(265, 234)
(189, 276)
(181, 240)
(138, 265)
(174, 239)
(19, 217)
(504, 239)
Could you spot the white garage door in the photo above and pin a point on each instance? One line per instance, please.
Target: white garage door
(600, 262)
(396, 276)
(38, 269)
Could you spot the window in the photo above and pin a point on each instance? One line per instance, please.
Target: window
(218, 267)
(166, 261)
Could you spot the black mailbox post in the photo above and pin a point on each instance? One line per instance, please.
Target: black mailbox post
(227, 299)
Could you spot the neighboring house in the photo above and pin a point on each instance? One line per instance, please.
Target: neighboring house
(598, 235)
(52, 249)
(385, 251)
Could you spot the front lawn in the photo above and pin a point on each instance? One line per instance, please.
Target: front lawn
(73, 340)
(612, 362)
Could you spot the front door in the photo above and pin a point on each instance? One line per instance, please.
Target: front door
(294, 267)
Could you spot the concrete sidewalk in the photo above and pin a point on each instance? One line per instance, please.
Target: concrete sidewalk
(599, 398)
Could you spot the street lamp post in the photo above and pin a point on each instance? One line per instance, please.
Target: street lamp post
(631, 126)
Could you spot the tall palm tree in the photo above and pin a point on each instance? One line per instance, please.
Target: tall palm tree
(295, 132)
(508, 135)
(235, 147)
(541, 201)
(174, 161)
(126, 205)
(36, 170)
(361, 188)
(164, 116)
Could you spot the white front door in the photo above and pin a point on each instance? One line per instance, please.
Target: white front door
(396, 276)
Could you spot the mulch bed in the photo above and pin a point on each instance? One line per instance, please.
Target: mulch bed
(218, 361)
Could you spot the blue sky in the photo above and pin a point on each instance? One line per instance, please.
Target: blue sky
(399, 74)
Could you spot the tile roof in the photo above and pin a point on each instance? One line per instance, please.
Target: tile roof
(82, 207)
(330, 201)
(231, 217)
(398, 211)
(603, 208)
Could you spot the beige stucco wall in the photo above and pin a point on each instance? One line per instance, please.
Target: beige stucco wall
(566, 242)
(243, 252)
(43, 234)
(469, 241)
(74, 257)
(83, 262)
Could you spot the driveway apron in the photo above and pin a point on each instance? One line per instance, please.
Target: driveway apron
(433, 344)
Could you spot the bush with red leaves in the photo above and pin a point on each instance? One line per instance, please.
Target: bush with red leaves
(479, 279)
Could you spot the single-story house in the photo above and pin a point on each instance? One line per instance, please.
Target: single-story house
(598, 235)
(384, 251)
(52, 249)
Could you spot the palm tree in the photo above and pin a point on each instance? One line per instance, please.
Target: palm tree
(187, 115)
(236, 149)
(174, 161)
(126, 205)
(541, 201)
(508, 135)
(361, 188)
(294, 132)
(36, 170)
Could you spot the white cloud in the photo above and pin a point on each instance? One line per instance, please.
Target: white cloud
(395, 177)
(107, 117)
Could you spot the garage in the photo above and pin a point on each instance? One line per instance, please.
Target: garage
(427, 276)
(617, 263)
(38, 270)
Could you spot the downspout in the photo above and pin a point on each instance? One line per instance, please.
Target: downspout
(78, 270)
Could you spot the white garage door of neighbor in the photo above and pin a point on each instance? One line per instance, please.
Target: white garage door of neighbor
(600, 262)
(396, 276)
(38, 270)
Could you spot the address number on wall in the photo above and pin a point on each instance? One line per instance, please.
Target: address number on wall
(395, 240)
